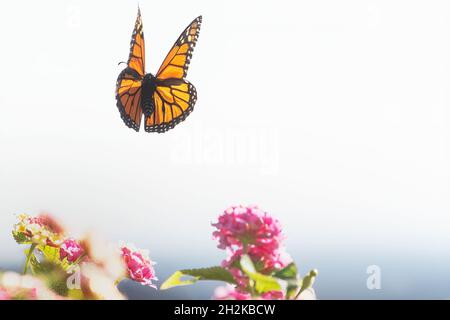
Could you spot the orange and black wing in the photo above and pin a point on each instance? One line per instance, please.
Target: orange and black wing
(136, 60)
(173, 101)
(129, 82)
(128, 96)
(174, 97)
(176, 63)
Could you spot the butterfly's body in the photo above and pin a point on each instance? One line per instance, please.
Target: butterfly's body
(148, 89)
(164, 99)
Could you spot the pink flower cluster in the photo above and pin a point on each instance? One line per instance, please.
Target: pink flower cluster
(240, 226)
(4, 295)
(249, 230)
(230, 293)
(102, 265)
(71, 250)
(139, 266)
(40, 230)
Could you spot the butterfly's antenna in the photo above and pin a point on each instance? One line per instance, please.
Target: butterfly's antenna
(121, 63)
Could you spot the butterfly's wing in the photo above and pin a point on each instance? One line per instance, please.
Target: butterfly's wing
(173, 101)
(176, 63)
(136, 59)
(129, 82)
(128, 96)
(174, 98)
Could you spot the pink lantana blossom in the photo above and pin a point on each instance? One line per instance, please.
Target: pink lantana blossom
(40, 230)
(230, 293)
(273, 295)
(264, 261)
(71, 250)
(241, 226)
(241, 279)
(249, 230)
(139, 266)
(4, 295)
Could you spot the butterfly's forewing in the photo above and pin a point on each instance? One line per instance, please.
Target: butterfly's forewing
(129, 82)
(174, 97)
(136, 60)
(176, 63)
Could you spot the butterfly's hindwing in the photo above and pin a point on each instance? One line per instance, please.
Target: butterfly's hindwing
(128, 96)
(173, 101)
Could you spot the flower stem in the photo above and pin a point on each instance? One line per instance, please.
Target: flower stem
(29, 255)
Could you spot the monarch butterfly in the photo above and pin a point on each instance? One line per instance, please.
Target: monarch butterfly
(165, 99)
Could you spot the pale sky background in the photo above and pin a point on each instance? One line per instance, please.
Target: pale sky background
(333, 116)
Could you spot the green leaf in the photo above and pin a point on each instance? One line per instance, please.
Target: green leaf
(263, 283)
(194, 275)
(51, 273)
(37, 267)
(175, 281)
(20, 238)
(290, 275)
(287, 273)
(211, 273)
(52, 255)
